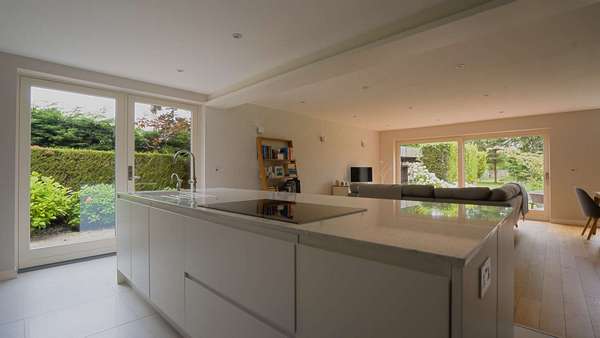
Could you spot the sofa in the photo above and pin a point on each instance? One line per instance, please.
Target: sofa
(510, 195)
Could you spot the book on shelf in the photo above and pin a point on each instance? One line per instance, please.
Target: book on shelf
(292, 171)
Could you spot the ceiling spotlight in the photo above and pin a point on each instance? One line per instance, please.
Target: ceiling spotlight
(237, 35)
(179, 70)
(460, 66)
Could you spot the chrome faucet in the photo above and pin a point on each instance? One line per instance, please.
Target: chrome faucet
(193, 181)
(178, 181)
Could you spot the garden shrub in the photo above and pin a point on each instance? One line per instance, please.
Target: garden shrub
(75, 168)
(97, 206)
(436, 157)
(50, 202)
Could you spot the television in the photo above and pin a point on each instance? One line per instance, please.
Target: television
(361, 174)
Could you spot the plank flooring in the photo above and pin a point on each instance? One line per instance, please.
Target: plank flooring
(557, 280)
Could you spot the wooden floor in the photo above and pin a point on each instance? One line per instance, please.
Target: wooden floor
(557, 280)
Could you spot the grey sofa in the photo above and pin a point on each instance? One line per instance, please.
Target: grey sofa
(509, 195)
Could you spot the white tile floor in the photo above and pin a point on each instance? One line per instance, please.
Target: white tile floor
(84, 300)
(76, 300)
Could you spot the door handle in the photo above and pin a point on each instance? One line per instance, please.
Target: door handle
(547, 176)
(130, 175)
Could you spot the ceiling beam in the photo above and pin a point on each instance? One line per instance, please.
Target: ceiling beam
(416, 35)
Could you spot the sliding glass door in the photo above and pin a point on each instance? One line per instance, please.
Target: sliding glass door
(492, 162)
(67, 171)
(480, 161)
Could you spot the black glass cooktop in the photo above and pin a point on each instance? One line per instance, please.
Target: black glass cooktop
(286, 211)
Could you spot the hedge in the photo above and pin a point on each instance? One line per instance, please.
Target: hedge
(74, 168)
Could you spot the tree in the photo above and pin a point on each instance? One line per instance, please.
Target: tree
(51, 127)
(164, 131)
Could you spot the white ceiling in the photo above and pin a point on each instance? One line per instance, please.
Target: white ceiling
(149, 39)
(544, 66)
(521, 57)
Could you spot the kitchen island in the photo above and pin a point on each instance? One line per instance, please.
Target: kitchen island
(389, 268)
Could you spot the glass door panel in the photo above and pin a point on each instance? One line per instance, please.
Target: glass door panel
(159, 132)
(492, 162)
(433, 163)
(68, 172)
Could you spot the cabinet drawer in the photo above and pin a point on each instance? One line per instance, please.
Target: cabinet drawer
(208, 315)
(253, 270)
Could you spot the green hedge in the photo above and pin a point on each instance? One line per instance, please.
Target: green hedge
(75, 168)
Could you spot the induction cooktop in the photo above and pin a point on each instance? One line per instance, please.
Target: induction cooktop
(285, 211)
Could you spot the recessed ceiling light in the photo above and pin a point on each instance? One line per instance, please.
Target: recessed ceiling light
(410, 107)
(179, 70)
(302, 101)
(353, 116)
(486, 95)
(437, 120)
(460, 66)
(501, 112)
(237, 35)
(365, 87)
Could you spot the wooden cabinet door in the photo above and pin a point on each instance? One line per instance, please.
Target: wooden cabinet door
(167, 238)
(209, 316)
(124, 238)
(140, 272)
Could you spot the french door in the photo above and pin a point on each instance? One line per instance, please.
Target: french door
(72, 160)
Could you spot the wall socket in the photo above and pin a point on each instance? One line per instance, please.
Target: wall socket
(485, 277)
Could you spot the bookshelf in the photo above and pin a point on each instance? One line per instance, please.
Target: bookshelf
(276, 162)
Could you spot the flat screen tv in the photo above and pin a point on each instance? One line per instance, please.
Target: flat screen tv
(361, 174)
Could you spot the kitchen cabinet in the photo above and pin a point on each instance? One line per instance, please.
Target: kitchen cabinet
(255, 271)
(208, 315)
(166, 262)
(140, 267)
(124, 238)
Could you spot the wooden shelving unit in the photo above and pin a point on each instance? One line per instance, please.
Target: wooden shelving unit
(266, 161)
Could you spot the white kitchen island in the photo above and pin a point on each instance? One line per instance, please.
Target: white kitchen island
(399, 269)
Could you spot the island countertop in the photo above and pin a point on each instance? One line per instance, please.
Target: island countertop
(453, 232)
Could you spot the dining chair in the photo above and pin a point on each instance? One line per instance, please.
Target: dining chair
(590, 209)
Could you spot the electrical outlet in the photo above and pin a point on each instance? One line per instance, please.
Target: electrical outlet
(485, 277)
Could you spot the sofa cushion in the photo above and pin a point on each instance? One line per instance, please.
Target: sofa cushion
(417, 190)
(470, 193)
(387, 191)
(505, 192)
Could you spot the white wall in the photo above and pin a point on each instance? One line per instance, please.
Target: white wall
(10, 68)
(574, 139)
(231, 158)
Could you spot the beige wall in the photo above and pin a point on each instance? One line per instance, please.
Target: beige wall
(231, 147)
(574, 139)
(10, 68)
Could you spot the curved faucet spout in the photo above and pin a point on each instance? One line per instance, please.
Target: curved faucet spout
(193, 181)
